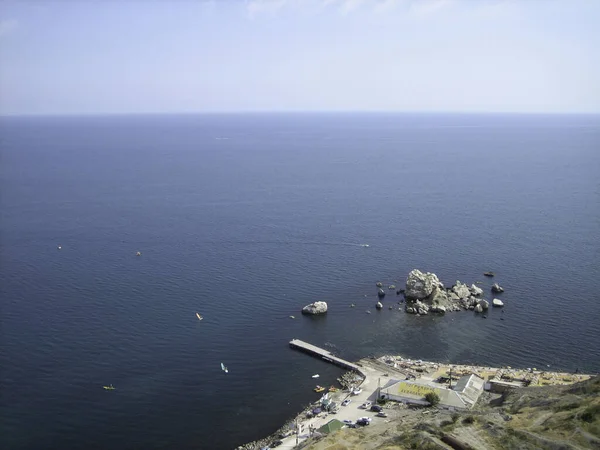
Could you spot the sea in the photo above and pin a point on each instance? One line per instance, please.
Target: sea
(245, 219)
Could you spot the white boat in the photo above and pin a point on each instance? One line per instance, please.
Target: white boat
(316, 375)
(224, 368)
(199, 316)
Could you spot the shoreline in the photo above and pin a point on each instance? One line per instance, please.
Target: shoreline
(396, 367)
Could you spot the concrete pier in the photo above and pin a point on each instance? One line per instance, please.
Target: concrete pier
(323, 354)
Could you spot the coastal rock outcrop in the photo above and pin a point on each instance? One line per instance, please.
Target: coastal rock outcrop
(315, 308)
(496, 288)
(476, 290)
(461, 290)
(497, 303)
(420, 285)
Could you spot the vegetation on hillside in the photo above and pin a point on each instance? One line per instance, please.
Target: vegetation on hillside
(550, 417)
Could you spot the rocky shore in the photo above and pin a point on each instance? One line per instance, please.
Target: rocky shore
(425, 294)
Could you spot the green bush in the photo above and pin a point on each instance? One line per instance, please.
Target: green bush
(432, 398)
(590, 414)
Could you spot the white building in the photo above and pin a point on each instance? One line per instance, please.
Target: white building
(463, 395)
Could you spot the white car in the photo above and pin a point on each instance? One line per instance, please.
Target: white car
(365, 419)
(356, 391)
(366, 405)
(346, 402)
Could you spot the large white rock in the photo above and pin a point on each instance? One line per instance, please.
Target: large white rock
(315, 308)
(461, 290)
(379, 305)
(497, 303)
(478, 308)
(420, 285)
(476, 290)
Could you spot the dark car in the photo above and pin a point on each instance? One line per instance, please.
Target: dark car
(275, 444)
(376, 408)
(363, 422)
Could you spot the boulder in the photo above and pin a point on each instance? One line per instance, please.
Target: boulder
(379, 305)
(379, 284)
(380, 293)
(496, 288)
(461, 290)
(497, 303)
(476, 290)
(410, 309)
(484, 303)
(315, 308)
(420, 285)
(438, 309)
(438, 297)
(453, 297)
(478, 309)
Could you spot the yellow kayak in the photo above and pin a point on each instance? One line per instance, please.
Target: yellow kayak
(109, 388)
(319, 389)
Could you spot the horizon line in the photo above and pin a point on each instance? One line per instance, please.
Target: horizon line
(292, 112)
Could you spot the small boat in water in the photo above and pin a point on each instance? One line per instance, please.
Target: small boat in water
(489, 274)
(319, 388)
(110, 387)
(199, 316)
(224, 368)
(316, 375)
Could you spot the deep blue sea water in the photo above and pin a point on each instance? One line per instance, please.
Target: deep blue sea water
(247, 218)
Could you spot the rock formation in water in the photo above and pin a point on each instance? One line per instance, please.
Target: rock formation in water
(496, 288)
(315, 308)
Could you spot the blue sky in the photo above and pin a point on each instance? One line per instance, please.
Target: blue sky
(158, 56)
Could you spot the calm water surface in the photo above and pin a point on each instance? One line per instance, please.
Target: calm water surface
(247, 218)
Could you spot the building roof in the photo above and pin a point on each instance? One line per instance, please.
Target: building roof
(464, 395)
(332, 425)
(470, 388)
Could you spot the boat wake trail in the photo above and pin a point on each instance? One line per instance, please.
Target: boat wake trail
(339, 244)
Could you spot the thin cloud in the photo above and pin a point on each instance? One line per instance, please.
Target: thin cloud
(344, 7)
(8, 26)
(429, 7)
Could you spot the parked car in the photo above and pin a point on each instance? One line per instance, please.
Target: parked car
(366, 405)
(381, 414)
(376, 408)
(356, 391)
(276, 444)
(346, 402)
(368, 419)
(363, 422)
(348, 421)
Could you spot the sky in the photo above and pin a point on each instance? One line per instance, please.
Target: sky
(183, 56)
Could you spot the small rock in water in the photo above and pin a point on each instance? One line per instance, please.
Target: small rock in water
(497, 303)
(368, 312)
(352, 305)
(496, 288)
